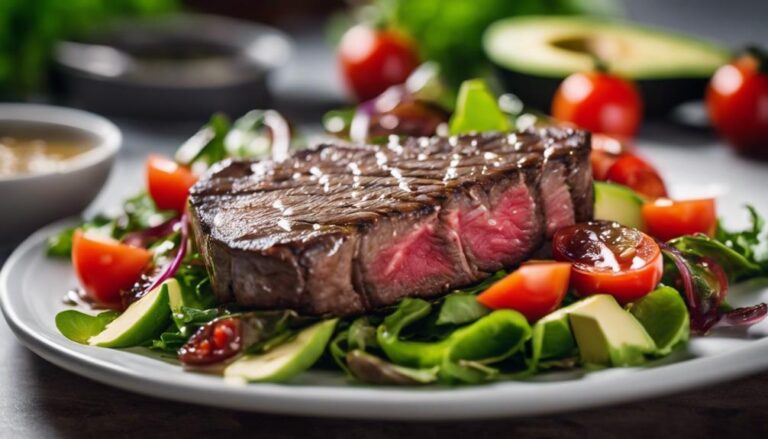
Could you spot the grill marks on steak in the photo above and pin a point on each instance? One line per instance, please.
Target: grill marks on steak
(340, 230)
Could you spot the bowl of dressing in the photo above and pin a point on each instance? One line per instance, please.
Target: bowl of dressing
(53, 163)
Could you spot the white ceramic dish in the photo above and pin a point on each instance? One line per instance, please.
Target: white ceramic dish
(31, 287)
(33, 200)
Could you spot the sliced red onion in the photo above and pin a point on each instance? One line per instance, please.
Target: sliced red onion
(705, 316)
(171, 269)
(143, 238)
(358, 128)
(685, 274)
(746, 316)
(281, 134)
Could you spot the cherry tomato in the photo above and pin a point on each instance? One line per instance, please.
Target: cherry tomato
(737, 99)
(609, 258)
(168, 183)
(105, 266)
(599, 102)
(666, 219)
(534, 289)
(374, 60)
(605, 151)
(637, 174)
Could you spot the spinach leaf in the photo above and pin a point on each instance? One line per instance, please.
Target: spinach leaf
(460, 308)
(466, 355)
(79, 327)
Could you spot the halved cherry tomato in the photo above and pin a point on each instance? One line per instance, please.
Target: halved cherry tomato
(737, 99)
(105, 266)
(609, 258)
(535, 289)
(666, 219)
(374, 60)
(637, 174)
(599, 102)
(168, 183)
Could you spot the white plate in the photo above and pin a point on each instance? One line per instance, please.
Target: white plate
(32, 285)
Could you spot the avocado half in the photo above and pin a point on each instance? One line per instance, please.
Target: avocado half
(532, 55)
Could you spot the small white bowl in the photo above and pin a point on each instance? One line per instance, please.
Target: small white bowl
(29, 201)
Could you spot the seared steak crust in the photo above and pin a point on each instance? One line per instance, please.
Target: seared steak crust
(338, 230)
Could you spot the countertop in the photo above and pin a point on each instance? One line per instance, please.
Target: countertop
(39, 400)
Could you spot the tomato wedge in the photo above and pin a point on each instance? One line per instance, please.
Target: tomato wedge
(667, 219)
(637, 174)
(534, 289)
(609, 258)
(168, 183)
(105, 266)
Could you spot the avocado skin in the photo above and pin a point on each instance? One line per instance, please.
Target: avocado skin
(660, 96)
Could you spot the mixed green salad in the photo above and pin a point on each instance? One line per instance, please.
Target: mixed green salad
(622, 290)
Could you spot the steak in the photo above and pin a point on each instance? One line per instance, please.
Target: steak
(340, 230)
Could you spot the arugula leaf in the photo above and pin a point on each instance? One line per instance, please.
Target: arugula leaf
(460, 308)
(79, 327)
(477, 110)
(749, 243)
(736, 265)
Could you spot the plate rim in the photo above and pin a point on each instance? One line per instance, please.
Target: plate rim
(496, 400)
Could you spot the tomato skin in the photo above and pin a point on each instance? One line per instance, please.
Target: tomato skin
(637, 174)
(666, 219)
(737, 100)
(534, 289)
(605, 151)
(168, 183)
(105, 266)
(373, 61)
(626, 285)
(599, 102)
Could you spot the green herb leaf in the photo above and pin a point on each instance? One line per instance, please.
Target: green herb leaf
(477, 110)
(749, 243)
(460, 308)
(207, 145)
(79, 327)
(736, 266)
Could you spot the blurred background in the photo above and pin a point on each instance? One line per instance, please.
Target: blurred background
(34, 65)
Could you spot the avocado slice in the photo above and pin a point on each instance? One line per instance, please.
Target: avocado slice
(532, 55)
(614, 202)
(286, 360)
(665, 317)
(141, 321)
(607, 335)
